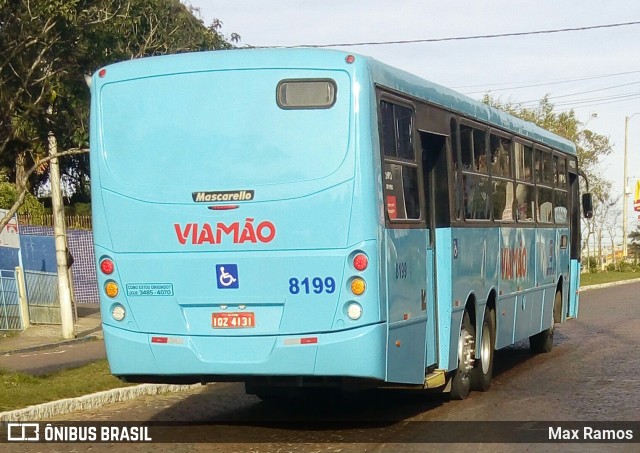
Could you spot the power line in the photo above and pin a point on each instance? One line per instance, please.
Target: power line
(549, 81)
(589, 102)
(537, 84)
(630, 98)
(598, 99)
(582, 92)
(463, 38)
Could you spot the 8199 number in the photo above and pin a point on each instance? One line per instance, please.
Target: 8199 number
(308, 285)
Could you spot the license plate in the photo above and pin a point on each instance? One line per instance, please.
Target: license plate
(234, 320)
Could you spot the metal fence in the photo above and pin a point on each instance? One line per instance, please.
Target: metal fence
(10, 316)
(79, 222)
(42, 297)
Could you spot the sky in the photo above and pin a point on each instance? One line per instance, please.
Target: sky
(580, 70)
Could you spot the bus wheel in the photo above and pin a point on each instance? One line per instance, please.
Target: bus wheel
(483, 369)
(461, 380)
(543, 341)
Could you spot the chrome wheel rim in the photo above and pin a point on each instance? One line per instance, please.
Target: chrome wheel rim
(485, 350)
(465, 353)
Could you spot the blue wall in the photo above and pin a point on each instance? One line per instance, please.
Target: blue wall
(8, 258)
(38, 253)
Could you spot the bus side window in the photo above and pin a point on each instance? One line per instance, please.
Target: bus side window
(524, 162)
(466, 148)
(525, 202)
(388, 129)
(561, 209)
(476, 197)
(562, 172)
(480, 150)
(502, 200)
(545, 201)
(500, 156)
(455, 167)
(400, 178)
(397, 131)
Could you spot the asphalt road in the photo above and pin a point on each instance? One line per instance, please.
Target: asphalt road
(50, 360)
(590, 376)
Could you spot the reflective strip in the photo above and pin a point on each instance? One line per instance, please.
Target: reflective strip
(165, 340)
(295, 341)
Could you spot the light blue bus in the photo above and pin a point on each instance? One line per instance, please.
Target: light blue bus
(297, 219)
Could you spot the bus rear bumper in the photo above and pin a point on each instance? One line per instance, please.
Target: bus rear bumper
(141, 357)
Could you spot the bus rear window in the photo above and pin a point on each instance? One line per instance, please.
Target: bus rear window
(306, 94)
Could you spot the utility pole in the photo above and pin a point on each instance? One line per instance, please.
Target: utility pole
(625, 191)
(60, 235)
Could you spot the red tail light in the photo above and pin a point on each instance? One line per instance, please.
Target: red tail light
(106, 266)
(360, 262)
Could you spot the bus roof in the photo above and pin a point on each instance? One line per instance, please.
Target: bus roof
(417, 87)
(381, 74)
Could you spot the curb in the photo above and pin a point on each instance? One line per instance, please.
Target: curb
(607, 285)
(44, 347)
(88, 402)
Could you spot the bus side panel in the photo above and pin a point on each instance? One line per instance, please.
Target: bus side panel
(547, 262)
(574, 288)
(475, 271)
(101, 234)
(505, 321)
(564, 267)
(444, 295)
(407, 320)
(516, 307)
(546, 271)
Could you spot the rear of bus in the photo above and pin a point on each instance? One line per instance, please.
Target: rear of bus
(235, 217)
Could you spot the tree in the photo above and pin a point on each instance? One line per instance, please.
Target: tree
(606, 218)
(46, 48)
(9, 195)
(634, 245)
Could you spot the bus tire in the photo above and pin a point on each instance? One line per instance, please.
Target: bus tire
(543, 341)
(483, 367)
(461, 379)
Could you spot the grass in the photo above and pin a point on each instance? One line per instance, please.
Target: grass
(597, 278)
(19, 390)
(9, 333)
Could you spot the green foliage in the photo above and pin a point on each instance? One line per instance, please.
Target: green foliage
(9, 194)
(633, 248)
(606, 277)
(46, 48)
(623, 266)
(80, 209)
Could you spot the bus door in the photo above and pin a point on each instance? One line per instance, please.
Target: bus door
(574, 246)
(405, 246)
(436, 196)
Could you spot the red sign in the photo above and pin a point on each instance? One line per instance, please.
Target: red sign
(235, 232)
(392, 206)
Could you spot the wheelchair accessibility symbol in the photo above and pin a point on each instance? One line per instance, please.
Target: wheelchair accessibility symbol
(227, 276)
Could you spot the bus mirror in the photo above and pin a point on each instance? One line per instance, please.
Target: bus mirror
(587, 205)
